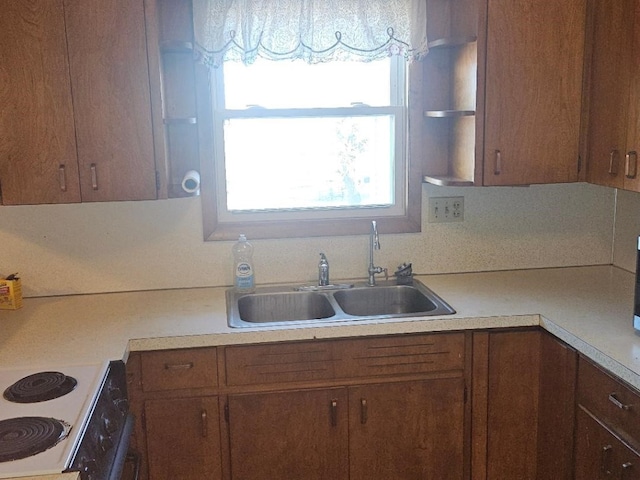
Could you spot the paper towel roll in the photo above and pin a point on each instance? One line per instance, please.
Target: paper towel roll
(191, 182)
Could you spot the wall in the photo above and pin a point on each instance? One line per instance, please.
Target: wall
(106, 247)
(627, 229)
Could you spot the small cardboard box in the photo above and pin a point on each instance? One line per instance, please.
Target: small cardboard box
(10, 294)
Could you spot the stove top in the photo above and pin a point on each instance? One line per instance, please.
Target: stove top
(44, 410)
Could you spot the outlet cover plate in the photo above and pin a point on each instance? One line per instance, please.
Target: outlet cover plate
(446, 209)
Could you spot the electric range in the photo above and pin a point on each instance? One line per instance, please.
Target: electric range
(70, 418)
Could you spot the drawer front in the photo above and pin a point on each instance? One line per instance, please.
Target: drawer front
(404, 355)
(609, 400)
(282, 362)
(179, 369)
(327, 360)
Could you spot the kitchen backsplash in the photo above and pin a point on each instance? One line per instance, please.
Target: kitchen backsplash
(122, 246)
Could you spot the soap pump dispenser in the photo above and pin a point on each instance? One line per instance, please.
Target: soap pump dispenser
(323, 271)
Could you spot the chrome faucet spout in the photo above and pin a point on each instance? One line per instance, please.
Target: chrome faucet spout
(374, 244)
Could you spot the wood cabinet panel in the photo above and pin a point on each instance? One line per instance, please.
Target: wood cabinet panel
(609, 400)
(289, 435)
(512, 419)
(112, 103)
(523, 397)
(600, 455)
(75, 122)
(533, 84)
(324, 360)
(401, 355)
(556, 409)
(38, 161)
(407, 430)
(183, 439)
(609, 84)
(179, 369)
(280, 363)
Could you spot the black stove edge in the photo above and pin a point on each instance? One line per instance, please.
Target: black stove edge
(111, 396)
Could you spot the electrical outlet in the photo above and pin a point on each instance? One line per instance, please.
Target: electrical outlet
(446, 209)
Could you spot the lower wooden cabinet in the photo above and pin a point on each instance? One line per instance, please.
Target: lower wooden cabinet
(607, 426)
(490, 405)
(183, 438)
(392, 431)
(600, 455)
(294, 434)
(407, 430)
(524, 390)
(391, 408)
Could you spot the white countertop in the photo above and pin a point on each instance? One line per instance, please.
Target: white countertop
(590, 308)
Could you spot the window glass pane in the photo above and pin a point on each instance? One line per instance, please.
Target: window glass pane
(297, 84)
(299, 163)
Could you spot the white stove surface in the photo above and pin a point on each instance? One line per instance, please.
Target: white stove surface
(73, 408)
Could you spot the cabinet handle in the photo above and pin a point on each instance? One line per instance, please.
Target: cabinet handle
(62, 178)
(626, 467)
(497, 170)
(613, 162)
(631, 164)
(334, 412)
(178, 366)
(613, 398)
(364, 411)
(203, 419)
(605, 460)
(94, 176)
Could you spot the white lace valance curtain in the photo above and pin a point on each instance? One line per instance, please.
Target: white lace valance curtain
(313, 30)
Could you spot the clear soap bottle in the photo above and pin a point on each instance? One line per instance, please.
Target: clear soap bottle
(243, 273)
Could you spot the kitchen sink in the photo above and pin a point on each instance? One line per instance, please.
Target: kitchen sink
(385, 300)
(284, 307)
(292, 304)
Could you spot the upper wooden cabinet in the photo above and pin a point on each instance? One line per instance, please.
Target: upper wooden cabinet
(38, 161)
(75, 117)
(512, 92)
(614, 90)
(535, 52)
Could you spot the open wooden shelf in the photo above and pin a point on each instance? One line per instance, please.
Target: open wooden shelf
(449, 113)
(446, 181)
(452, 42)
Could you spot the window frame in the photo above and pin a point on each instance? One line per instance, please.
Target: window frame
(215, 228)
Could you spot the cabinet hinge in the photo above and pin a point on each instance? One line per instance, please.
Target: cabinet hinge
(226, 412)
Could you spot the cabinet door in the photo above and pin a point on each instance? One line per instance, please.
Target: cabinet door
(112, 105)
(289, 435)
(610, 68)
(183, 438)
(632, 172)
(407, 430)
(533, 83)
(523, 397)
(600, 455)
(38, 162)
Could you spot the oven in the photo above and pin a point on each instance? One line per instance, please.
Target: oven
(72, 418)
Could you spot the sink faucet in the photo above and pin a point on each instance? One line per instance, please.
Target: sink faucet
(374, 244)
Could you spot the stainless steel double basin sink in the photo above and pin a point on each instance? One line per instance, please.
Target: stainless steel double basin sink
(290, 304)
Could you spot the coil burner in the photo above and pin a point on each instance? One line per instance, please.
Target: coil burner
(40, 387)
(23, 437)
